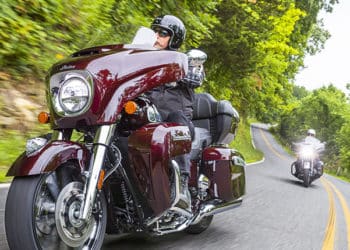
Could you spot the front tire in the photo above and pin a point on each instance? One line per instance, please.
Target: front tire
(293, 169)
(306, 178)
(30, 219)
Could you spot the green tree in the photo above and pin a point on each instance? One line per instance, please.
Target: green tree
(299, 92)
(343, 142)
(322, 110)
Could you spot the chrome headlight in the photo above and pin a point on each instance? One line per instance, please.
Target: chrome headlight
(74, 94)
(71, 92)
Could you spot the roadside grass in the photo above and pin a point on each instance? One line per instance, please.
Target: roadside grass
(345, 177)
(243, 143)
(12, 144)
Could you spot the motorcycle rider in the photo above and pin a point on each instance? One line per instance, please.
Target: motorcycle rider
(311, 139)
(174, 100)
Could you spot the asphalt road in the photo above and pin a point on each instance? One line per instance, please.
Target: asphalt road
(277, 212)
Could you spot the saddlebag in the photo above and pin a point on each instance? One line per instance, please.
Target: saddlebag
(225, 169)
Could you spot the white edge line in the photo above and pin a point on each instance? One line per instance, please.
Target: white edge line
(251, 135)
(257, 162)
(6, 185)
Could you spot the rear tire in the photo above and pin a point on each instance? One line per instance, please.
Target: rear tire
(30, 219)
(201, 226)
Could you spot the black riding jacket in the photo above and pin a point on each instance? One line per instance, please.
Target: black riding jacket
(173, 97)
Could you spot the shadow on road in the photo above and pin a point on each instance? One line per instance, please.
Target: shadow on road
(292, 181)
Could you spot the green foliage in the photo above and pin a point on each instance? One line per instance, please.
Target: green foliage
(343, 142)
(323, 110)
(198, 18)
(250, 55)
(243, 143)
(299, 92)
(12, 145)
(51, 30)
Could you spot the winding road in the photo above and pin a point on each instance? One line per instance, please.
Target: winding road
(277, 212)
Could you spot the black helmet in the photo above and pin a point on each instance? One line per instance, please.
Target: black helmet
(174, 26)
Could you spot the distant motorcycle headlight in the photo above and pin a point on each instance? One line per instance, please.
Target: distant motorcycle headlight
(307, 152)
(74, 95)
(71, 92)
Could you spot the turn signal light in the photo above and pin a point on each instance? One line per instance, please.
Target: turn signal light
(130, 107)
(100, 179)
(43, 117)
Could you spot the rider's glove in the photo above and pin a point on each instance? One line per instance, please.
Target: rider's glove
(194, 77)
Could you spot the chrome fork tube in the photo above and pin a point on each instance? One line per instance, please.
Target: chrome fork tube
(101, 142)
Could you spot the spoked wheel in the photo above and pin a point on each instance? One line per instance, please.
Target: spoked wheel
(42, 213)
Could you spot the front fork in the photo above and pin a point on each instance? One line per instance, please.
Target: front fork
(101, 142)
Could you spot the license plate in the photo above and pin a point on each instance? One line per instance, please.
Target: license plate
(306, 165)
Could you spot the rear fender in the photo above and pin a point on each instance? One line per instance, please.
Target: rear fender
(49, 158)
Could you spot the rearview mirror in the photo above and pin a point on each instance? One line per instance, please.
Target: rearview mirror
(196, 57)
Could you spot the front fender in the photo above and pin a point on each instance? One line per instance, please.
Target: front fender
(50, 157)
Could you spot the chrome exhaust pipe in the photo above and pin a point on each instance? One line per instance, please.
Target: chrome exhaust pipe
(214, 207)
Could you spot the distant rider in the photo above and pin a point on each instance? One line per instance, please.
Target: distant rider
(311, 139)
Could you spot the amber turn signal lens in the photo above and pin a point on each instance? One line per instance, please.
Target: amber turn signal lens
(43, 117)
(130, 107)
(100, 179)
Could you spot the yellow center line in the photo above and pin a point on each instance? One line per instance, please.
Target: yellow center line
(328, 242)
(270, 146)
(345, 210)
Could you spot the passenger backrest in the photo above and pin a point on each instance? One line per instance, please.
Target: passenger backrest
(215, 116)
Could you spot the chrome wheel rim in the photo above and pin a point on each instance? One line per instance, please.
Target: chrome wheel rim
(73, 231)
(48, 225)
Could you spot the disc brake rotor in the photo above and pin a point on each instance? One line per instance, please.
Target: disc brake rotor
(72, 231)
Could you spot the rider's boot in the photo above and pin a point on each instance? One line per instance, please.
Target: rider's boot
(185, 196)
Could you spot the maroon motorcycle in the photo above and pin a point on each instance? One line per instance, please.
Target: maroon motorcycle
(108, 166)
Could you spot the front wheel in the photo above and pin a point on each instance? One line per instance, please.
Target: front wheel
(42, 213)
(306, 177)
(293, 169)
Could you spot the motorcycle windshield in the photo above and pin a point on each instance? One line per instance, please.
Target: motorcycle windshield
(144, 36)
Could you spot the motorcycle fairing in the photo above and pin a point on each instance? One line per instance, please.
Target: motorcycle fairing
(119, 75)
(225, 170)
(151, 149)
(49, 158)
